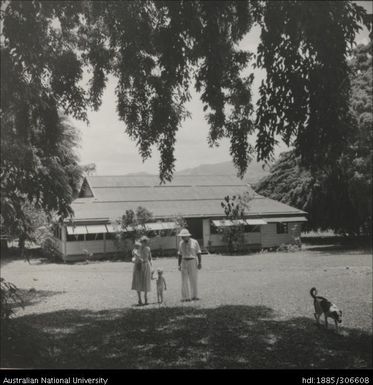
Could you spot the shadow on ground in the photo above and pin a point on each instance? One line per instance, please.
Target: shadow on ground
(32, 297)
(180, 337)
(338, 249)
(338, 244)
(33, 256)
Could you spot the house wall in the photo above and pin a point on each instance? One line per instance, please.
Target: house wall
(78, 247)
(270, 238)
(164, 243)
(110, 246)
(267, 237)
(75, 249)
(250, 239)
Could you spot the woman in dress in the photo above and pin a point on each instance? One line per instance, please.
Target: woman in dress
(141, 279)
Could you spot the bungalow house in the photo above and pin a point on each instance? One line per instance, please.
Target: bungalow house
(196, 198)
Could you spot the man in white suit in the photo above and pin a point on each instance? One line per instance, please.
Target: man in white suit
(189, 263)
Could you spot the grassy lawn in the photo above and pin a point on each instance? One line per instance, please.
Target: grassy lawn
(255, 312)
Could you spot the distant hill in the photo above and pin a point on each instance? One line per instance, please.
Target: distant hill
(254, 172)
(141, 173)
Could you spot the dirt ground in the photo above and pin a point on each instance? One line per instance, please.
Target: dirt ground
(273, 287)
(278, 280)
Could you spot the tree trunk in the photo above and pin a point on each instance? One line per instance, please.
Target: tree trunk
(4, 246)
(22, 248)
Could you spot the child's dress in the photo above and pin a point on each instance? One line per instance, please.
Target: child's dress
(141, 276)
(161, 284)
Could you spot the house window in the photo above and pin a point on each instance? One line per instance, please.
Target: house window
(113, 236)
(252, 229)
(94, 237)
(75, 237)
(110, 236)
(282, 228)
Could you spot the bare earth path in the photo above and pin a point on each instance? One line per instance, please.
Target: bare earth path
(257, 300)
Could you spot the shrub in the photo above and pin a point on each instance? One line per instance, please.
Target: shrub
(10, 298)
(289, 247)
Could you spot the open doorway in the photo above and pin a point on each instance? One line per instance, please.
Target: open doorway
(195, 227)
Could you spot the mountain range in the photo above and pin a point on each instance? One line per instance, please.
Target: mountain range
(255, 170)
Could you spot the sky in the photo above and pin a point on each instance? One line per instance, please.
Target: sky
(105, 142)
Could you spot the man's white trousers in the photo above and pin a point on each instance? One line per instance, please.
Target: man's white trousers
(189, 275)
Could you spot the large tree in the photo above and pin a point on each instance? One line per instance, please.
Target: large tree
(40, 175)
(340, 197)
(359, 153)
(158, 49)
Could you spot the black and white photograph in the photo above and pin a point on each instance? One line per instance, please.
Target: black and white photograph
(186, 185)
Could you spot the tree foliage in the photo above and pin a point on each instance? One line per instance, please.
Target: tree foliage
(10, 298)
(39, 75)
(133, 222)
(305, 96)
(293, 184)
(326, 198)
(157, 50)
(89, 169)
(360, 151)
(235, 208)
(339, 198)
(34, 225)
(39, 176)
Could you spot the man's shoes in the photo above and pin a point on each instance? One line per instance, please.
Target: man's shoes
(195, 299)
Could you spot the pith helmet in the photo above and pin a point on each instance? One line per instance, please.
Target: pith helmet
(184, 233)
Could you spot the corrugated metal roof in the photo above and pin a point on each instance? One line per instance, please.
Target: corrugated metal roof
(166, 209)
(153, 180)
(151, 193)
(187, 196)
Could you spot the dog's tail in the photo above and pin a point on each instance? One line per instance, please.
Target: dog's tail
(313, 292)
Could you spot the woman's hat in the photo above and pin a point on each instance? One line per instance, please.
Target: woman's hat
(137, 243)
(184, 233)
(144, 238)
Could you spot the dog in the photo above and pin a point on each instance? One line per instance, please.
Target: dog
(161, 284)
(323, 306)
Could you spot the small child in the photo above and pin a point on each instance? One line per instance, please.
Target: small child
(161, 284)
